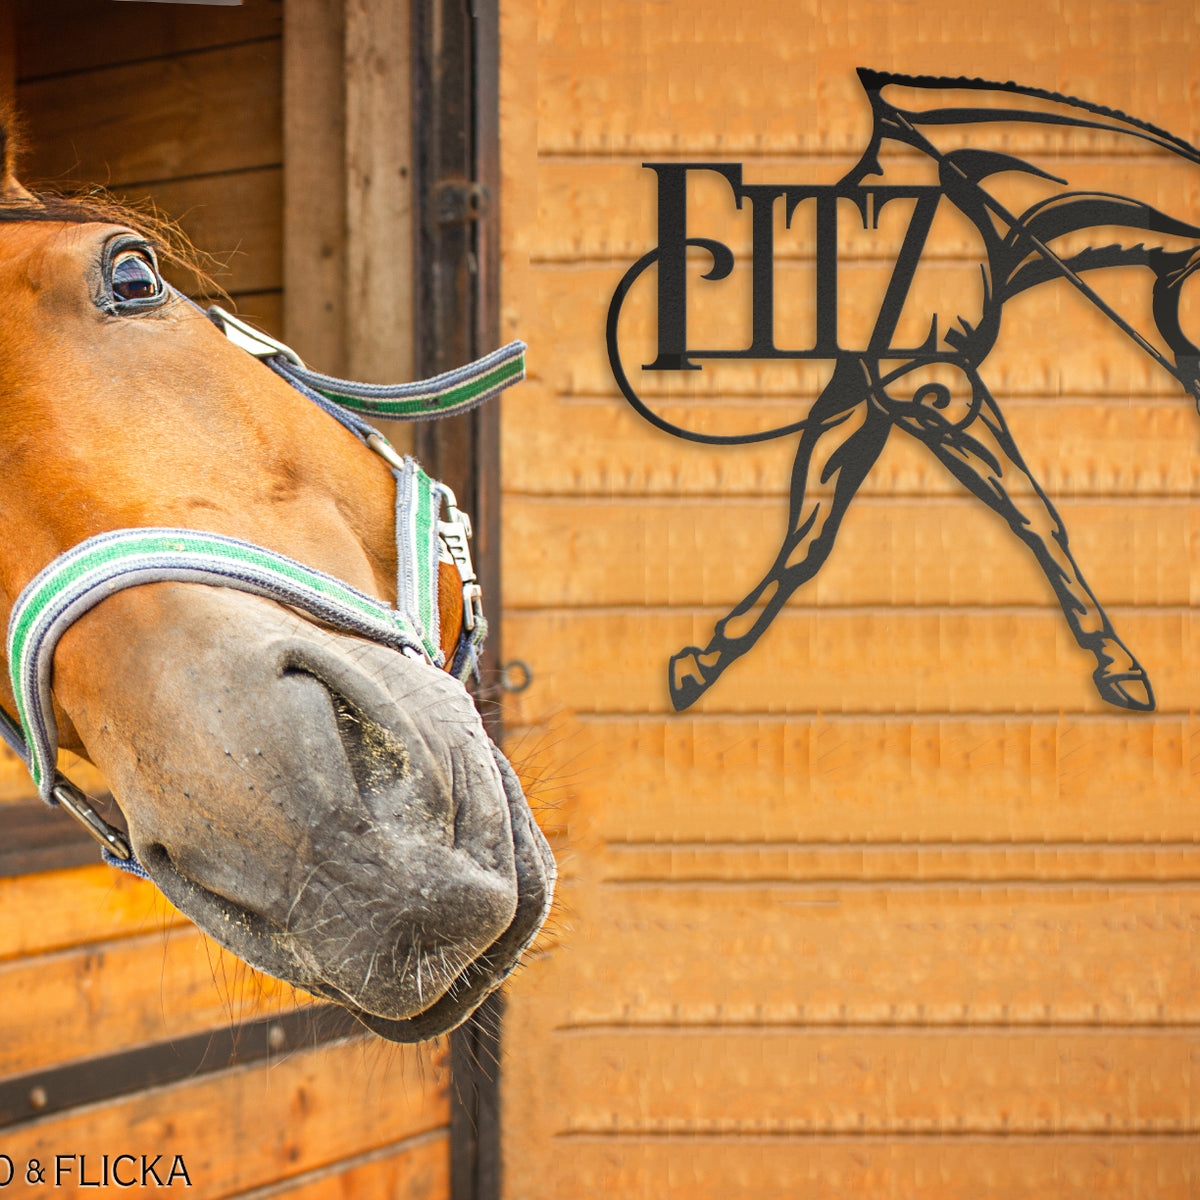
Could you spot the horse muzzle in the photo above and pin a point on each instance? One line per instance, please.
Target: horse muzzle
(330, 810)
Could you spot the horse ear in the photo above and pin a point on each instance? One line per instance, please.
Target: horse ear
(10, 187)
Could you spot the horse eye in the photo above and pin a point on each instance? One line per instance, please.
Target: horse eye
(134, 278)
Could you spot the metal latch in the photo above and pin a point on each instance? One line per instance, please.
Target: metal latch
(460, 200)
(455, 535)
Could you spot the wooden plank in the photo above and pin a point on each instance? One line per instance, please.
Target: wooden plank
(565, 552)
(379, 201)
(852, 955)
(673, 862)
(1052, 341)
(36, 840)
(314, 182)
(419, 1169)
(264, 310)
(17, 787)
(206, 112)
(123, 993)
(843, 781)
(1077, 448)
(874, 660)
(59, 909)
(598, 208)
(104, 35)
(253, 1125)
(854, 1168)
(234, 218)
(617, 84)
(796, 1081)
(105, 1077)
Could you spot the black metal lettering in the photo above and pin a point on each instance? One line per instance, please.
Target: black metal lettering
(904, 270)
(673, 242)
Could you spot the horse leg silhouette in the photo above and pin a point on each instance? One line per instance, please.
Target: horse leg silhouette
(845, 432)
(987, 462)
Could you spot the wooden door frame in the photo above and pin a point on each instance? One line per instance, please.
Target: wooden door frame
(456, 142)
(391, 271)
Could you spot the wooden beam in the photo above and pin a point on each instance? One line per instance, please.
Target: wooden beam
(314, 171)
(379, 249)
(348, 244)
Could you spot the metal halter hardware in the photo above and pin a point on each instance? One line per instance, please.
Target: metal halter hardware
(84, 575)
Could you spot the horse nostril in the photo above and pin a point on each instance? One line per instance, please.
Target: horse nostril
(378, 758)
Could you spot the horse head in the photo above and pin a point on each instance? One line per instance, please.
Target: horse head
(327, 807)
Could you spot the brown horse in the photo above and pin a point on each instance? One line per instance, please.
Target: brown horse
(329, 809)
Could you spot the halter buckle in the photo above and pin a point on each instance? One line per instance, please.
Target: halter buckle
(455, 534)
(78, 805)
(259, 344)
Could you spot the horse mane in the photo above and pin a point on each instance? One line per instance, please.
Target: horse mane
(872, 81)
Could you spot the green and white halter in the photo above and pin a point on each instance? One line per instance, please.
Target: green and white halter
(429, 528)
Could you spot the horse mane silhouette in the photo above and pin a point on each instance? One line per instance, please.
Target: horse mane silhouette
(934, 392)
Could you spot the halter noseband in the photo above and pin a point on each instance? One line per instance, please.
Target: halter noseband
(79, 579)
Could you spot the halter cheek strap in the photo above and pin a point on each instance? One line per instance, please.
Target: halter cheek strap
(96, 568)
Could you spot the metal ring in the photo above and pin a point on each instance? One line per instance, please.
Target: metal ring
(515, 675)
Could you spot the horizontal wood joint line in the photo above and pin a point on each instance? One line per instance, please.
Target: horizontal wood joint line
(168, 56)
(229, 173)
(752, 1136)
(889, 611)
(902, 1027)
(620, 846)
(38, 1094)
(805, 717)
(332, 1170)
(786, 400)
(847, 883)
(570, 155)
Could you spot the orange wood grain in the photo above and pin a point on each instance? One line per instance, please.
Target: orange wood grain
(418, 1169)
(585, 552)
(849, 660)
(116, 994)
(599, 446)
(854, 782)
(255, 1125)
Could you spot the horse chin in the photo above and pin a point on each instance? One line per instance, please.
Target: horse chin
(335, 814)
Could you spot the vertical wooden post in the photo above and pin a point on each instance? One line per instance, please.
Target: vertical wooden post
(456, 90)
(314, 182)
(348, 240)
(379, 234)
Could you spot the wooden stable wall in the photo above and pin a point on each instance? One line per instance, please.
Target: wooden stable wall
(123, 1026)
(900, 908)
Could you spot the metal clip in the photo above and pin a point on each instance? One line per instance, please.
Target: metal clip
(78, 805)
(455, 535)
(259, 344)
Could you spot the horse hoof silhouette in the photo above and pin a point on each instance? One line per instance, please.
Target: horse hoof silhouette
(1125, 689)
(687, 679)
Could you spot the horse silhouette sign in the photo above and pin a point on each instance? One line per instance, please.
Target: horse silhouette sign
(1028, 226)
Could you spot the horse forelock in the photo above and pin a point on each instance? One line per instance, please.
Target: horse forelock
(96, 206)
(11, 139)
